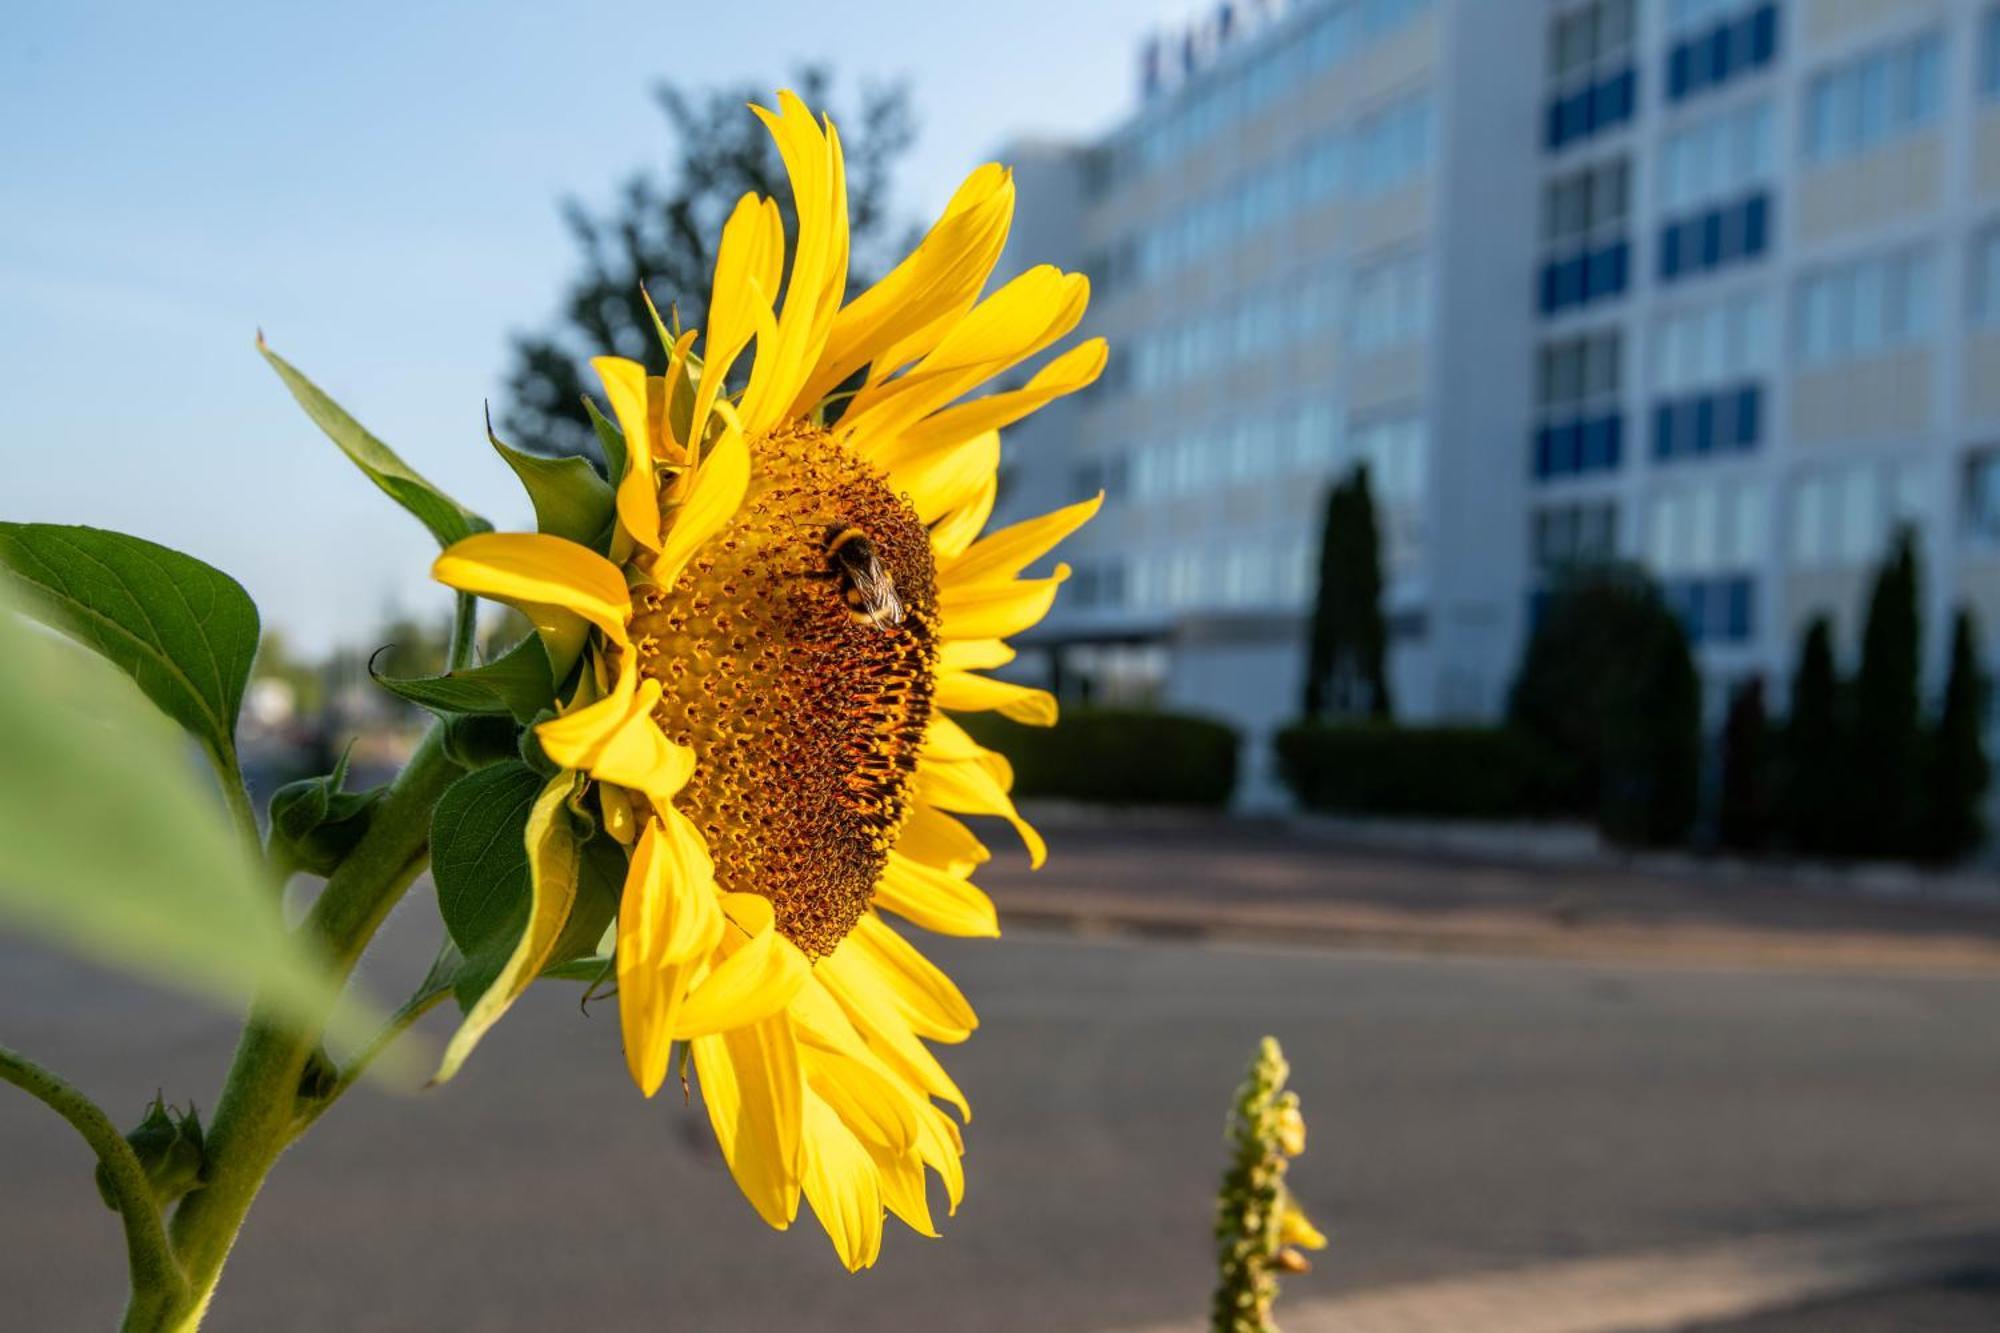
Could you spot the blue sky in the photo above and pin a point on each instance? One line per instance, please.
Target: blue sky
(375, 185)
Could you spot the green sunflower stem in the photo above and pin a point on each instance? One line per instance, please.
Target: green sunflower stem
(258, 1114)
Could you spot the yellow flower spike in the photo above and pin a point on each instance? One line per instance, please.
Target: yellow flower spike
(1295, 1228)
(768, 729)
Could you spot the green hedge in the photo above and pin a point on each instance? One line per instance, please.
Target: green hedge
(1382, 769)
(1116, 756)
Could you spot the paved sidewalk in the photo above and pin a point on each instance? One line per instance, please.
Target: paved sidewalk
(1206, 877)
(1660, 1291)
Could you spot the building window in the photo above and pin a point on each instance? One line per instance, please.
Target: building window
(1701, 541)
(1392, 146)
(1592, 83)
(1843, 515)
(1718, 159)
(1985, 294)
(1868, 101)
(1579, 427)
(1396, 451)
(1587, 256)
(1574, 534)
(1391, 304)
(1866, 308)
(1982, 496)
(1713, 41)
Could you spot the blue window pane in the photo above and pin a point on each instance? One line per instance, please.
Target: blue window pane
(1711, 238)
(1690, 603)
(1604, 104)
(1627, 96)
(1569, 282)
(1749, 405)
(1544, 452)
(1697, 64)
(1663, 430)
(1704, 426)
(1756, 225)
(1621, 265)
(1556, 126)
(1764, 36)
(1677, 72)
(1564, 448)
(1670, 252)
(1718, 54)
(1548, 293)
(1615, 446)
(1740, 613)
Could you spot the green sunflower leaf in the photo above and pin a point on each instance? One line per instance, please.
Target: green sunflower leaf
(186, 632)
(570, 499)
(479, 861)
(517, 684)
(448, 520)
(111, 845)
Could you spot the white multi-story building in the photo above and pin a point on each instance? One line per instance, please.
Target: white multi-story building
(1712, 285)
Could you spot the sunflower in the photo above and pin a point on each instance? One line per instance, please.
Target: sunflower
(794, 596)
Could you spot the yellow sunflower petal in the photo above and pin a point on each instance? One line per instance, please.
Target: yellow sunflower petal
(535, 569)
(936, 900)
(901, 1176)
(997, 610)
(819, 262)
(638, 500)
(755, 1094)
(968, 788)
(941, 1149)
(1026, 315)
(866, 1001)
(933, 838)
(955, 531)
(928, 999)
(840, 1183)
(1004, 554)
(870, 1102)
(713, 494)
(1295, 1228)
(747, 262)
(667, 921)
(758, 979)
(901, 317)
(966, 693)
(1078, 368)
(941, 480)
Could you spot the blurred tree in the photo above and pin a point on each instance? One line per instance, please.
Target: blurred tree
(277, 661)
(1954, 822)
(1347, 652)
(1812, 803)
(1609, 685)
(1743, 814)
(661, 233)
(1885, 760)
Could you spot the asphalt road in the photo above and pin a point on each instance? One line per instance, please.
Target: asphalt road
(1467, 1115)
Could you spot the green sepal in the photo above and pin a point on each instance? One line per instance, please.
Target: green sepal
(610, 439)
(479, 862)
(315, 823)
(168, 1144)
(599, 886)
(519, 683)
(571, 500)
(474, 740)
(448, 520)
(530, 748)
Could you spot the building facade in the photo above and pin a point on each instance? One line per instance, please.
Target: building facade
(1709, 285)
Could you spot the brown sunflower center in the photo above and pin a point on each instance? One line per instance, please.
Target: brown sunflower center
(797, 654)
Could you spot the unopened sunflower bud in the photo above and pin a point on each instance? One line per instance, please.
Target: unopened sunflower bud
(168, 1145)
